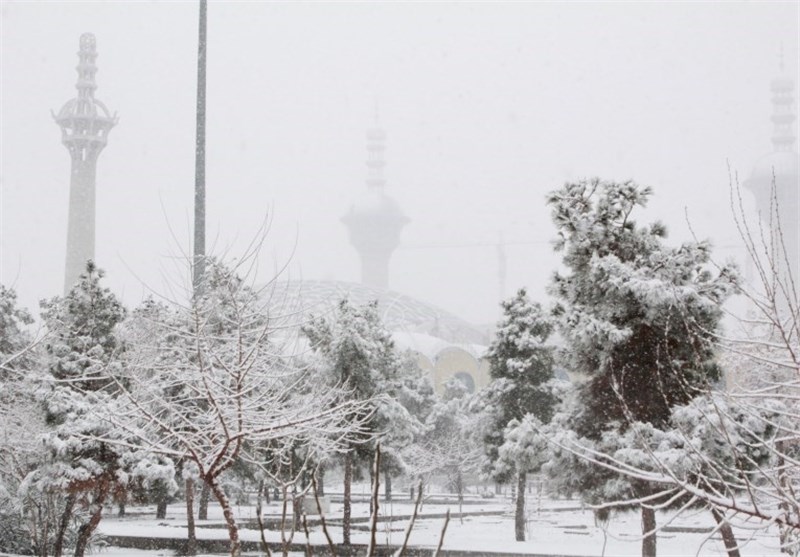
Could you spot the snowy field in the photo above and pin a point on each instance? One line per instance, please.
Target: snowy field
(550, 531)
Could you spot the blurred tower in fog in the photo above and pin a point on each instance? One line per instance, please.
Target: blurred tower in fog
(375, 219)
(781, 167)
(85, 123)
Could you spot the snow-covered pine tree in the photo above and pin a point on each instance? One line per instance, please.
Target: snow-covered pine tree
(636, 317)
(521, 358)
(83, 353)
(15, 341)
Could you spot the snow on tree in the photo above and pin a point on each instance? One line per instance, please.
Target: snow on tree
(83, 354)
(356, 351)
(521, 358)
(15, 340)
(212, 384)
(637, 318)
(525, 449)
(453, 447)
(27, 517)
(733, 450)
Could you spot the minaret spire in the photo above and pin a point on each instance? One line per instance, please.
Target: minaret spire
(775, 184)
(783, 117)
(376, 147)
(85, 123)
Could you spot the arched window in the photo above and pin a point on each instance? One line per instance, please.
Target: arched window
(467, 380)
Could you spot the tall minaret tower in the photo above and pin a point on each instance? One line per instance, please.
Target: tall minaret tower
(85, 123)
(375, 220)
(780, 168)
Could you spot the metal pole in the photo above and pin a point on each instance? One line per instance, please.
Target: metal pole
(200, 158)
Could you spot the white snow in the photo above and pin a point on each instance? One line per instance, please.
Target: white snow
(571, 532)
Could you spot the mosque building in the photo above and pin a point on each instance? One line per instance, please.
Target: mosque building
(443, 345)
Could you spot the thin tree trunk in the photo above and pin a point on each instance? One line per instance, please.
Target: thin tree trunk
(649, 532)
(122, 502)
(58, 545)
(371, 483)
(460, 493)
(320, 480)
(86, 530)
(202, 511)
(410, 525)
(387, 482)
(519, 514)
(348, 481)
(161, 507)
(191, 542)
(441, 536)
(260, 518)
(227, 512)
(376, 486)
(727, 533)
(331, 545)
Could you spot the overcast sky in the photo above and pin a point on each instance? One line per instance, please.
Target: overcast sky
(487, 107)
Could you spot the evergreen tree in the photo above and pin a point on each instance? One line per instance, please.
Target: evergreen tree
(82, 340)
(15, 341)
(636, 317)
(356, 352)
(83, 354)
(520, 358)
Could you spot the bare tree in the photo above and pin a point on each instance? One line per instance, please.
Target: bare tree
(211, 378)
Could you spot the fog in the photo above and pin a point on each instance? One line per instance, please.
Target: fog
(486, 106)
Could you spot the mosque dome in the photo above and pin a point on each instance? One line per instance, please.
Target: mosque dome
(398, 312)
(445, 346)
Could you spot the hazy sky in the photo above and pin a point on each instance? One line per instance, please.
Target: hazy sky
(487, 107)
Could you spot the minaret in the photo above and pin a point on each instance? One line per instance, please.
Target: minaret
(85, 123)
(781, 166)
(375, 220)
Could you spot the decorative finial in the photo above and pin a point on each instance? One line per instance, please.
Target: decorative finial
(376, 145)
(88, 43)
(86, 67)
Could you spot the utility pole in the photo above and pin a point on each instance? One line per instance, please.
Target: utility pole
(200, 159)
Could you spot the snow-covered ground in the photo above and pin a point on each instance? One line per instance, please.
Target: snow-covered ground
(550, 531)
